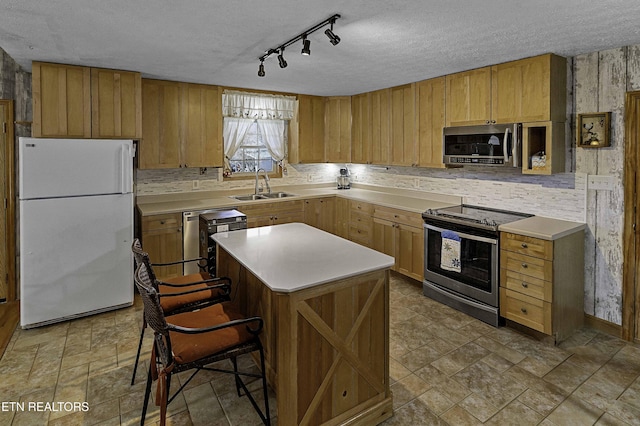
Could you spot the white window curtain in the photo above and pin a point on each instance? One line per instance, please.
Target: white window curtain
(257, 106)
(233, 132)
(273, 137)
(240, 109)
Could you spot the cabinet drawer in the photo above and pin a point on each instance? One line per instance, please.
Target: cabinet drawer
(527, 285)
(525, 310)
(527, 245)
(359, 206)
(398, 216)
(360, 220)
(360, 236)
(527, 265)
(161, 221)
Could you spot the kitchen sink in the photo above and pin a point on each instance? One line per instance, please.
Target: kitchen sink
(265, 196)
(278, 195)
(249, 197)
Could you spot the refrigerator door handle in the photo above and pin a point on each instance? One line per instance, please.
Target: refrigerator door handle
(125, 167)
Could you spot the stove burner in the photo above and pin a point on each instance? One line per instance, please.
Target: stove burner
(481, 217)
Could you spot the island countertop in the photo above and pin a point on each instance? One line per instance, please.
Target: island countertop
(294, 256)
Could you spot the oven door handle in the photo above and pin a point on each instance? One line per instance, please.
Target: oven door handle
(463, 235)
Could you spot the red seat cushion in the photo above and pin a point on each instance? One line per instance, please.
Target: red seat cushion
(191, 347)
(169, 304)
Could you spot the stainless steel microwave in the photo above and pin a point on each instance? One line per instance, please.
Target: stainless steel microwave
(491, 145)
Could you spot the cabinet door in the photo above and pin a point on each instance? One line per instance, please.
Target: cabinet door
(342, 207)
(430, 121)
(338, 129)
(468, 97)
(360, 129)
(311, 129)
(409, 252)
(403, 152)
(61, 101)
(202, 121)
(164, 245)
(320, 213)
(116, 104)
(162, 239)
(380, 126)
(531, 89)
(384, 237)
(161, 125)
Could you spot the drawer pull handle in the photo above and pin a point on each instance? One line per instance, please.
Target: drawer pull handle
(524, 245)
(523, 310)
(525, 285)
(524, 265)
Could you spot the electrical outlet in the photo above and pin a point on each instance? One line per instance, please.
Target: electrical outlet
(309, 178)
(416, 183)
(600, 183)
(195, 184)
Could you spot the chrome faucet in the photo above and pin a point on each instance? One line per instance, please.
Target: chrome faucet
(266, 181)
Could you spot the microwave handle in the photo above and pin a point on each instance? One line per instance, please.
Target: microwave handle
(505, 147)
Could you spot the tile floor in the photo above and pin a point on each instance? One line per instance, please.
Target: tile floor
(446, 368)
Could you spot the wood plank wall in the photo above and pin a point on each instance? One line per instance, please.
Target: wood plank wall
(601, 80)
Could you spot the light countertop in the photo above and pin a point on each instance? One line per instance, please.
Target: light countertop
(410, 200)
(543, 227)
(294, 256)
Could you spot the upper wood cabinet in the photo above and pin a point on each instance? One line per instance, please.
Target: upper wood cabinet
(202, 140)
(380, 122)
(181, 125)
(430, 105)
(61, 101)
(337, 131)
(361, 128)
(81, 102)
(161, 125)
(403, 141)
(468, 97)
(311, 129)
(116, 104)
(531, 89)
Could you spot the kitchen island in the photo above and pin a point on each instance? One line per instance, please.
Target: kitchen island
(325, 305)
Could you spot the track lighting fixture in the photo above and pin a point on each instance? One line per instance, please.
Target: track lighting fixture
(334, 39)
(281, 61)
(306, 46)
(306, 43)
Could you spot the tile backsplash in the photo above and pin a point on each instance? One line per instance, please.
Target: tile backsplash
(560, 196)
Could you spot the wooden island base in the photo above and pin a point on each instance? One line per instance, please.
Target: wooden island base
(326, 346)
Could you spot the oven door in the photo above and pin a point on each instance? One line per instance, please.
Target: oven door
(478, 276)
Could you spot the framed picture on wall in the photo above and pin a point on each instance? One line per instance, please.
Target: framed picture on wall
(593, 130)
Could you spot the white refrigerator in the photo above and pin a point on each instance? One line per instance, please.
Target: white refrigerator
(76, 228)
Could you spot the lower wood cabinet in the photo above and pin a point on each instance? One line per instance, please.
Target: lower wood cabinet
(542, 282)
(399, 233)
(361, 223)
(321, 213)
(265, 214)
(162, 239)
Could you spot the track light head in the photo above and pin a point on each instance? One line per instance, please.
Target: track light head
(306, 46)
(281, 61)
(261, 69)
(334, 39)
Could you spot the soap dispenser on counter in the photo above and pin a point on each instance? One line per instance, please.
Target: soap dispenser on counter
(344, 181)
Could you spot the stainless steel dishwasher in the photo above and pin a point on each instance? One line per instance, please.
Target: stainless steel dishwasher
(190, 236)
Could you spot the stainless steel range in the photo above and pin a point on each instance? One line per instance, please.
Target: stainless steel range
(461, 258)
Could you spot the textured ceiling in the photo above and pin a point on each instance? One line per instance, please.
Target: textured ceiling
(384, 42)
